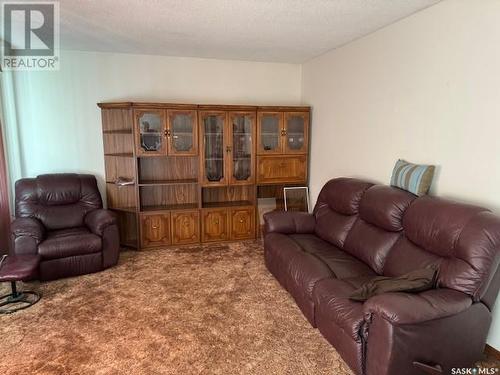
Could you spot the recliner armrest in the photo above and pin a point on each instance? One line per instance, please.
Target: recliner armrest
(98, 220)
(28, 226)
(289, 222)
(408, 308)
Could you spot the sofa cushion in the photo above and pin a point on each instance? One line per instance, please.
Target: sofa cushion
(463, 239)
(279, 250)
(337, 207)
(305, 270)
(331, 298)
(69, 242)
(370, 244)
(384, 207)
(379, 225)
(341, 264)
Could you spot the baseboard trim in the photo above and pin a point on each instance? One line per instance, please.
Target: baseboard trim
(490, 351)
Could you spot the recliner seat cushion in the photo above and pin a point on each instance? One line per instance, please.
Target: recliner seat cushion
(339, 262)
(69, 242)
(331, 298)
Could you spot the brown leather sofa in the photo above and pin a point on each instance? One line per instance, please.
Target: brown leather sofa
(358, 231)
(60, 217)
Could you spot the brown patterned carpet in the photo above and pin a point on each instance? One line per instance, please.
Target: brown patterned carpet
(190, 310)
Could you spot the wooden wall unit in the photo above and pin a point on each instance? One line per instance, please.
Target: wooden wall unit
(185, 173)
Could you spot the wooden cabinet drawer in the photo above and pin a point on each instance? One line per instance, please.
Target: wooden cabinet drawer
(155, 230)
(242, 223)
(214, 225)
(185, 227)
(281, 169)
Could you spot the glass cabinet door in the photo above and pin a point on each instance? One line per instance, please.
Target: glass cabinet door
(182, 133)
(150, 133)
(214, 143)
(296, 132)
(242, 127)
(270, 133)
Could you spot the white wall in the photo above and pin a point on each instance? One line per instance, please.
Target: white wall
(59, 123)
(426, 89)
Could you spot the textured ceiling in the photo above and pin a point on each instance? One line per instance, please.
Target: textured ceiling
(260, 30)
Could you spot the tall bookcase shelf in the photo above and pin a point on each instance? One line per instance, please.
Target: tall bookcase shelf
(186, 173)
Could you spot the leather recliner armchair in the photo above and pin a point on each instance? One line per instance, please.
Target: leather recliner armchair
(60, 217)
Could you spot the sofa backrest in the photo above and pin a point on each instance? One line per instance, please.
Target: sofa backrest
(463, 240)
(395, 232)
(379, 224)
(337, 207)
(57, 200)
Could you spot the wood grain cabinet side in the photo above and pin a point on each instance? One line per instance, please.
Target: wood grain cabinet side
(185, 227)
(155, 230)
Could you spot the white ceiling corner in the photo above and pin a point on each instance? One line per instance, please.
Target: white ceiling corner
(290, 31)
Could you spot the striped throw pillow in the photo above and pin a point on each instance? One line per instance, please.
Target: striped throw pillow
(416, 179)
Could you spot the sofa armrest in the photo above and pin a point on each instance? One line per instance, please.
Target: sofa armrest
(98, 220)
(407, 308)
(289, 222)
(28, 226)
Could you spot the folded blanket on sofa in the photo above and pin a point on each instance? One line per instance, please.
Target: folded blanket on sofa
(411, 282)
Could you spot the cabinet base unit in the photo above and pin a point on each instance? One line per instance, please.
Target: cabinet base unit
(181, 174)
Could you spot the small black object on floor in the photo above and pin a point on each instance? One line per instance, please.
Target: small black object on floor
(16, 300)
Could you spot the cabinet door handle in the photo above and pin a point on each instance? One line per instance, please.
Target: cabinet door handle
(155, 226)
(167, 133)
(241, 220)
(216, 221)
(228, 149)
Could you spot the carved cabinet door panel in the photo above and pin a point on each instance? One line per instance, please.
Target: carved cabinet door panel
(155, 230)
(215, 225)
(242, 223)
(185, 227)
(274, 169)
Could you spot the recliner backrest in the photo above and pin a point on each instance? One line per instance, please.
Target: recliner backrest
(337, 208)
(463, 240)
(395, 232)
(379, 225)
(57, 200)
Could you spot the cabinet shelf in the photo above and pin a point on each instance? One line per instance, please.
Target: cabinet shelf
(168, 182)
(121, 154)
(170, 207)
(124, 209)
(226, 204)
(118, 131)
